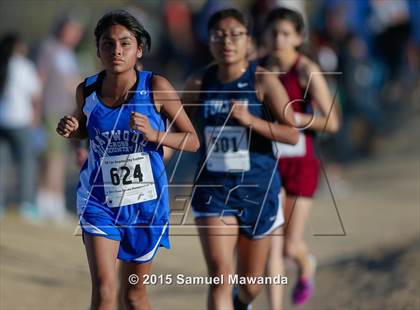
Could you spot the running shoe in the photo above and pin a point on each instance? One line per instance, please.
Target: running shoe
(305, 286)
(237, 305)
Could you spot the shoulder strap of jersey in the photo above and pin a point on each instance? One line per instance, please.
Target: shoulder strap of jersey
(144, 82)
(207, 74)
(294, 67)
(144, 90)
(90, 85)
(252, 72)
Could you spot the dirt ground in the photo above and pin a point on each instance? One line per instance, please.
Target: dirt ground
(365, 235)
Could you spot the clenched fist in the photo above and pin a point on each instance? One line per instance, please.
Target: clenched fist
(141, 123)
(67, 125)
(239, 111)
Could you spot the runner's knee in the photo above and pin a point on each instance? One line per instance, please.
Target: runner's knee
(250, 291)
(135, 297)
(220, 266)
(105, 291)
(291, 248)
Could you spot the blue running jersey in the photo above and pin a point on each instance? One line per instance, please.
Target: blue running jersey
(123, 192)
(238, 173)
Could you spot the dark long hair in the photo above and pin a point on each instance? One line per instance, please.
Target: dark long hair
(226, 13)
(7, 45)
(121, 17)
(286, 14)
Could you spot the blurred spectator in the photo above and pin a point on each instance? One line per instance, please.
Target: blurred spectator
(342, 49)
(414, 6)
(258, 11)
(390, 24)
(20, 89)
(177, 46)
(412, 69)
(58, 67)
(297, 5)
(360, 87)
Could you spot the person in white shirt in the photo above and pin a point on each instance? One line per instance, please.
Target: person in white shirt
(20, 90)
(58, 67)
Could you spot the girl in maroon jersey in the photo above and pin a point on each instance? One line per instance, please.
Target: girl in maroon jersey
(299, 167)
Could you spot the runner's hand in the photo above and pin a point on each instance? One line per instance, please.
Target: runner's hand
(67, 125)
(239, 111)
(141, 123)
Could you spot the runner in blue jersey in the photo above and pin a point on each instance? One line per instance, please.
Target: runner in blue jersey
(122, 196)
(240, 110)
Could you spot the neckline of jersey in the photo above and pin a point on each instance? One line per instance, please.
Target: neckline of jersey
(126, 101)
(236, 80)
